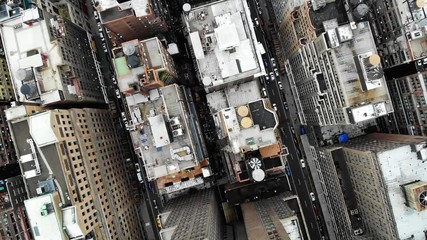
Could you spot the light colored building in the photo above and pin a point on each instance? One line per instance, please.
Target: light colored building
(133, 19)
(383, 180)
(193, 216)
(72, 160)
(166, 135)
(246, 125)
(338, 78)
(223, 43)
(58, 65)
(143, 65)
(13, 215)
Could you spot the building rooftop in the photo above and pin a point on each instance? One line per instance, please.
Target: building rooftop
(37, 154)
(358, 67)
(241, 116)
(49, 222)
(138, 63)
(165, 134)
(116, 7)
(223, 41)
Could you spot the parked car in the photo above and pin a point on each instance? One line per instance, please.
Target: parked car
(256, 22)
(138, 169)
(275, 107)
(313, 198)
(113, 78)
(280, 85)
(118, 93)
(95, 14)
(125, 120)
(302, 163)
(288, 170)
(273, 62)
(276, 71)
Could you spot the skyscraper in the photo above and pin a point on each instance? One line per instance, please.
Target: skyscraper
(73, 167)
(376, 185)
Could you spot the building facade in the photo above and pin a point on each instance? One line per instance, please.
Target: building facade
(193, 216)
(13, 216)
(6, 88)
(7, 153)
(60, 69)
(73, 159)
(75, 11)
(128, 20)
(376, 183)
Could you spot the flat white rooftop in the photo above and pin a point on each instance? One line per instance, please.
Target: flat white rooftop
(20, 41)
(140, 7)
(44, 219)
(224, 42)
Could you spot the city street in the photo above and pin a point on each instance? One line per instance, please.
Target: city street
(300, 175)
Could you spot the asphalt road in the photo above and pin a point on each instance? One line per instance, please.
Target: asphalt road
(300, 176)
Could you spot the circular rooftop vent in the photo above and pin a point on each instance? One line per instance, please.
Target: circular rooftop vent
(25, 89)
(129, 50)
(186, 7)
(423, 198)
(258, 175)
(255, 163)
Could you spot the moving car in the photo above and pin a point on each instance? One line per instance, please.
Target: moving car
(272, 76)
(264, 92)
(302, 163)
(273, 62)
(276, 72)
(280, 85)
(313, 198)
(275, 107)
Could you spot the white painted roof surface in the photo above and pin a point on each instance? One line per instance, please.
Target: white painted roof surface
(159, 130)
(41, 129)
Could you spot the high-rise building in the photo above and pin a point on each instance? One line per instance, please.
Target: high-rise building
(222, 41)
(166, 135)
(193, 216)
(73, 167)
(57, 66)
(375, 185)
(13, 216)
(142, 65)
(338, 78)
(133, 19)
